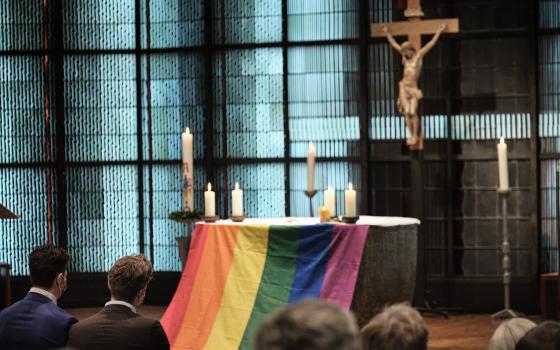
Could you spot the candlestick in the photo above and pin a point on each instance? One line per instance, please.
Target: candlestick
(237, 201)
(209, 202)
(330, 200)
(350, 201)
(507, 312)
(311, 167)
(188, 171)
(310, 195)
(503, 165)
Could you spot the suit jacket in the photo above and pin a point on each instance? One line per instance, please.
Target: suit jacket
(117, 327)
(34, 322)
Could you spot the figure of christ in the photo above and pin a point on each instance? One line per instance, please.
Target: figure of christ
(409, 93)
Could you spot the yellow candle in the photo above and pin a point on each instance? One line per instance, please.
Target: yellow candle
(330, 200)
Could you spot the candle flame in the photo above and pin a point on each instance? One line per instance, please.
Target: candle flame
(187, 130)
(350, 186)
(209, 187)
(502, 140)
(311, 145)
(329, 188)
(236, 186)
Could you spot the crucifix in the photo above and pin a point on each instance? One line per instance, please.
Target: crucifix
(412, 54)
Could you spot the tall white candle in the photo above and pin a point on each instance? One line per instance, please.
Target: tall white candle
(350, 201)
(188, 171)
(503, 165)
(311, 167)
(237, 201)
(330, 200)
(209, 202)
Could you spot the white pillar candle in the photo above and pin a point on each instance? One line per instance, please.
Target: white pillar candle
(188, 171)
(350, 201)
(503, 165)
(330, 200)
(311, 167)
(237, 201)
(209, 202)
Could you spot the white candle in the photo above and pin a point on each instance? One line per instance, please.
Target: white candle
(350, 201)
(209, 202)
(188, 171)
(503, 165)
(311, 167)
(237, 201)
(330, 200)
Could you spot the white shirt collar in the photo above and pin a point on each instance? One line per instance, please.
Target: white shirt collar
(44, 293)
(120, 302)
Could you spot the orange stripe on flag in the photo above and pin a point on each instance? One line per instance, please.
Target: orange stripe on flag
(206, 296)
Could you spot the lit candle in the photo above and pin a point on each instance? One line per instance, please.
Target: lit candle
(330, 201)
(503, 165)
(350, 201)
(209, 202)
(188, 171)
(237, 201)
(311, 167)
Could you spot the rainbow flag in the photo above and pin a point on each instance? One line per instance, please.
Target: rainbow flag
(236, 275)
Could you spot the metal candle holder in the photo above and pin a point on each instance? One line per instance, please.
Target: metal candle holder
(507, 312)
(310, 195)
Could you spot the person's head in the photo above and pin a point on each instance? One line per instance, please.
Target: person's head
(545, 336)
(48, 269)
(129, 277)
(396, 327)
(408, 49)
(509, 332)
(309, 325)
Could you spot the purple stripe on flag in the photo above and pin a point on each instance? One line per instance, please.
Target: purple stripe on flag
(347, 248)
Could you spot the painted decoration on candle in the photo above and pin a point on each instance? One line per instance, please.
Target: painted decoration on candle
(188, 171)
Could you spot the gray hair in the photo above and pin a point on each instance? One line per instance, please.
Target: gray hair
(309, 325)
(509, 332)
(396, 327)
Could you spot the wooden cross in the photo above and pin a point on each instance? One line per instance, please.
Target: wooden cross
(414, 28)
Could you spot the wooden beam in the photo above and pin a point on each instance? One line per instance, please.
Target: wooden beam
(420, 27)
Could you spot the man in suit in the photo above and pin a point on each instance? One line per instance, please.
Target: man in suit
(118, 326)
(36, 322)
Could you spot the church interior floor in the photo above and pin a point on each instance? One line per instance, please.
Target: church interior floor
(469, 331)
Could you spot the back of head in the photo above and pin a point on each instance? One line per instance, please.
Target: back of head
(45, 263)
(128, 276)
(309, 325)
(509, 332)
(398, 327)
(545, 336)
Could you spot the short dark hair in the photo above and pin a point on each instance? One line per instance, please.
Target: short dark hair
(309, 325)
(45, 263)
(128, 276)
(545, 336)
(397, 327)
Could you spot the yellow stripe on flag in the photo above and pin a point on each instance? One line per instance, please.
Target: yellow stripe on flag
(241, 288)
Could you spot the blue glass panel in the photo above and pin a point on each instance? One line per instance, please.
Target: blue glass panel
(98, 24)
(21, 25)
(174, 23)
(24, 191)
(247, 21)
(167, 198)
(262, 185)
(323, 88)
(102, 216)
(549, 14)
(100, 101)
(381, 11)
(177, 101)
(254, 110)
(322, 20)
(334, 174)
(22, 106)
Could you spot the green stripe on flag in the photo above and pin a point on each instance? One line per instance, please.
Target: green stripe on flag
(279, 270)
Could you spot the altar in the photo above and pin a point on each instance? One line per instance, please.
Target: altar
(238, 273)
